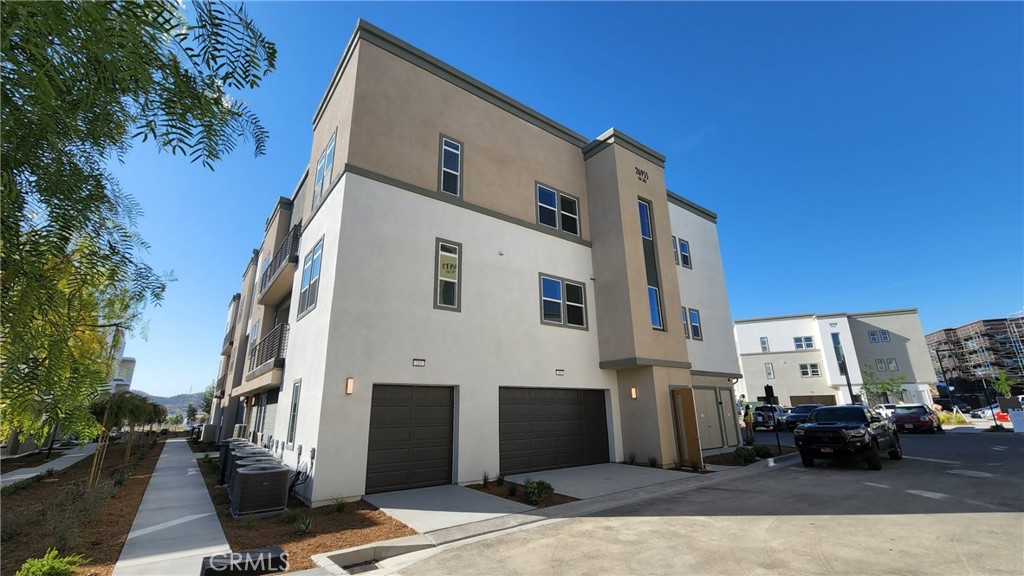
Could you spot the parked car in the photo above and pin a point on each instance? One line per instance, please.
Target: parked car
(884, 409)
(947, 406)
(916, 418)
(836, 432)
(799, 415)
(985, 411)
(768, 417)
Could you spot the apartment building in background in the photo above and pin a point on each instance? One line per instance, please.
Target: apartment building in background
(459, 286)
(972, 355)
(799, 356)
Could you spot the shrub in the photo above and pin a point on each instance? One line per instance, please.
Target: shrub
(289, 516)
(122, 477)
(762, 451)
(15, 486)
(339, 505)
(950, 418)
(13, 525)
(513, 489)
(500, 480)
(487, 479)
(49, 472)
(652, 461)
(51, 565)
(632, 458)
(537, 491)
(305, 525)
(249, 522)
(745, 455)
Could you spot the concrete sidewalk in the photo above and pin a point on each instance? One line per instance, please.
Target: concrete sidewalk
(62, 461)
(176, 525)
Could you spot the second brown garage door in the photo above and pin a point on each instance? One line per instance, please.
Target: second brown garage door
(410, 444)
(546, 428)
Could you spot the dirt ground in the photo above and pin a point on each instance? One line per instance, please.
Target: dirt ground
(34, 459)
(502, 492)
(34, 520)
(728, 459)
(359, 523)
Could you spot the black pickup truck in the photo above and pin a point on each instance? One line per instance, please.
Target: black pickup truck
(836, 432)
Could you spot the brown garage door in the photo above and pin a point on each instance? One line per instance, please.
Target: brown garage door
(410, 442)
(545, 428)
(826, 400)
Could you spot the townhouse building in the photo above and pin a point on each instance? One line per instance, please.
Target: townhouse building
(459, 285)
(799, 356)
(972, 355)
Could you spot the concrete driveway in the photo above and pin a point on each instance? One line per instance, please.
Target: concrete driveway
(953, 505)
(438, 507)
(599, 479)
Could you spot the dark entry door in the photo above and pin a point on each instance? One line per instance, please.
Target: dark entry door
(410, 443)
(545, 428)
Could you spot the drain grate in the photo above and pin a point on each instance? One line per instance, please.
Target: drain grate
(361, 567)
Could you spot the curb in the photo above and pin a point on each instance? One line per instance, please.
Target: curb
(336, 561)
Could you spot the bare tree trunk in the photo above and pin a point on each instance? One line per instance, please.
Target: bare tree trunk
(53, 439)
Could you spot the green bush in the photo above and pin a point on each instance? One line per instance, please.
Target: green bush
(15, 486)
(950, 418)
(340, 504)
(305, 525)
(289, 516)
(51, 565)
(762, 451)
(537, 491)
(249, 522)
(745, 455)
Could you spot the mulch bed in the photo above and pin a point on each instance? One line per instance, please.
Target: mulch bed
(360, 523)
(102, 536)
(502, 492)
(728, 459)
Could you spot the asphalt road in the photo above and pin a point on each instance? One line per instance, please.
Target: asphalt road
(954, 505)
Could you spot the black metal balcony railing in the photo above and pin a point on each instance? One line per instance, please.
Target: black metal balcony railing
(272, 347)
(287, 251)
(229, 338)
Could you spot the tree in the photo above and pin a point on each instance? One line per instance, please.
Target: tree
(80, 82)
(878, 391)
(1001, 383)
(176, 419)
(208, 397)
(190, 413)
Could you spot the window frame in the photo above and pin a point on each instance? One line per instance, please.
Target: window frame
(564, 302)
(880, 365)
(810, 370)
(685, 257)
(558, 208)
(654, 306)
(769, 371)
(801, 342)
(893, 365)
(675, 250)
(324, 174)
(441, 169)
(313, 285)
(437, 275)
(883, 335)
(763, 341)
(873, 336)
(649, 235)
(686, 323)
(696, 329)
(293, 414)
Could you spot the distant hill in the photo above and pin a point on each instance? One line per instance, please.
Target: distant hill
(175, 404)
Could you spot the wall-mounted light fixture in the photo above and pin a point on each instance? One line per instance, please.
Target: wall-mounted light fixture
(350, 385)
(419, 362)
(559, 372)
(632, 393)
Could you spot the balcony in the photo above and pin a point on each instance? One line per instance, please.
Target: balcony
(266, 361)
(276, 280)
(229, 341)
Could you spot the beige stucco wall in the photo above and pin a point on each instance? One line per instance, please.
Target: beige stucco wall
(400, 112)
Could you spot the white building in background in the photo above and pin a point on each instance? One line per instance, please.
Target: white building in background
(123, 372)
(798, 356)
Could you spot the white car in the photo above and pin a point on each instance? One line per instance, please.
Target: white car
(884, 409)
(985, 411)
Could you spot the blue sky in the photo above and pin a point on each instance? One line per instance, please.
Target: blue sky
(860, 156)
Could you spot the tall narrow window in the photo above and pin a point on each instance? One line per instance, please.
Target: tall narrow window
(675, 250)
(310, 277)
(558, 210)
(884, 334)
(893, 366)
(837, 346)
(448, 275)
(764, 344)
(769, 371)
(873, 336)
(324, 171)
(654, 301)
(684, 253)
(563, 302)
(293, 414)
(650, 264)
(645, 220)
(451, 167)
(695, 327)
(686, 324)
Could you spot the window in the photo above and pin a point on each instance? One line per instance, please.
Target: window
(769, 371)
(645, 220)
(558, 210)
(563, 302)
(324, 169)
(675, 250)
(808, 370)
(803, 342)
(837, 345)
(654, 301)
(893, 366)
(880, 365)
(884, 335)
(447, 275)
(764, 344)
(310, 277)
(450, 179)
(695, 327)
(684, 253)
(873, 336)
(293, 414)
(686, 324)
